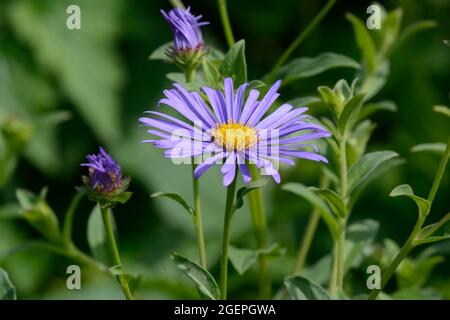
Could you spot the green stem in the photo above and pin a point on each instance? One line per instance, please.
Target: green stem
(302, 36)
(338, 266)
(226, 22)
(410, 244)
(309, 233)
(68, 219)
(226, 239)
(190, 77)
(106, 215)
(259, 221)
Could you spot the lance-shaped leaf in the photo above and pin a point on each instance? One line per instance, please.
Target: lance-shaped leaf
(301, 288)
(234, 64)
(211, 72)
(349, 115)
(333, 199)
(331, 99)
(7, 289)
(243, 259)
(204, 281)
(160, 53)
(442, 110)
(177, 198)
(366, 166)
(371, 108)
(437, 147)
(405, 190)
(307, 67)
(242, 192)
(96, 236)
(365, 42)
(326, 214)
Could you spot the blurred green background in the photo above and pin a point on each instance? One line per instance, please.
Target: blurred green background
(73, 90)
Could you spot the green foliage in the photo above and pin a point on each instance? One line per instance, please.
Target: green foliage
(405, 190)
(177, 198)
(301, 288)
(96, 237)
(7, 289)
(234, 63)
(244, 259)
(204, 281)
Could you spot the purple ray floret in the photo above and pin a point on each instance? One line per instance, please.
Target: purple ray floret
(233, 128)
(105, 174)
(186, 29)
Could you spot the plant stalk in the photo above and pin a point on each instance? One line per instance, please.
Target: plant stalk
(226, 239)
(226, 22)
(106, 215)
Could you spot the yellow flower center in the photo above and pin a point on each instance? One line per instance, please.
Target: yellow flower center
(234, 136)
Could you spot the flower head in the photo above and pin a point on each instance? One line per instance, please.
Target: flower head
(105, 182)
(188, 46)
(233, 130)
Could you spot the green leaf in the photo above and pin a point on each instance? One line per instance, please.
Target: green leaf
(357, 142)
(204, 281)
(335, 202)
(36, 211)
(7, 289)
(243, 259)
(234, 64)
(373, 107)
(375, 81)
(442, 110)
(415, 272)
(405, 190)
(330, 98)
(327, 216)
(301, 288)
(212, 74)
(307, 67)
(360, 235)
(391, 28)
(365, 42)
(96, 237)
(349, 115)
(364, 167)
(242, 192)
(437, 148)
(413, 29)
(161, 53)
(177, 198)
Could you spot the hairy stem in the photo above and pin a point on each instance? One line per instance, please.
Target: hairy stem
(259, 221)
(106, 215)
(226, 22)
(300, 38)
(226, 239)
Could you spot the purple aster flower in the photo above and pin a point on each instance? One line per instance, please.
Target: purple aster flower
(186, 28)
(105, 175)
(233, 130)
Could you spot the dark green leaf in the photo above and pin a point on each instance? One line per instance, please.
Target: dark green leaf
(242, 192)
(365, 42)
(405, 190)
(234, 64)
(302, 191)
(307, 67)
(212, 74)
(335, 202)
(390, 30)
(301, 288)
(243, 259)
(330, 99)
(204, 281)
(357, 142)
(375, 81)
(350, 114)
(362, 169)
(373, 107)
(177, 198)
(7, 289)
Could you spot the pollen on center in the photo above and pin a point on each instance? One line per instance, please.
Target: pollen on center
(234, 136)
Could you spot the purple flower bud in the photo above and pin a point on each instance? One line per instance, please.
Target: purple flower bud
(105, 175)
(186, 28)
